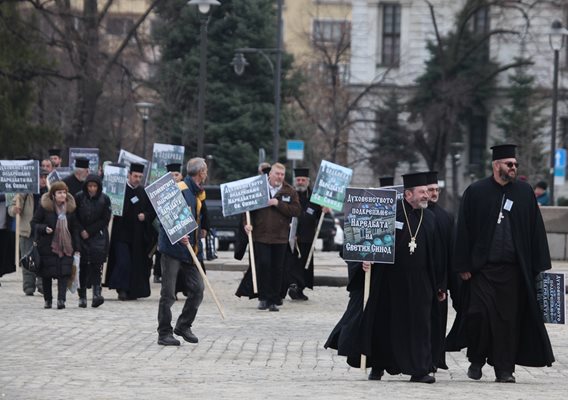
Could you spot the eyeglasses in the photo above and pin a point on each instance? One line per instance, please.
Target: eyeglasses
(438, 190)
(511, 164)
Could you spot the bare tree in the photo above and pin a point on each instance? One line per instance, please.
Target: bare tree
(89, 65)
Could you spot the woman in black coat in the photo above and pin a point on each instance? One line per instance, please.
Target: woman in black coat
(94, 213)
(57, 233)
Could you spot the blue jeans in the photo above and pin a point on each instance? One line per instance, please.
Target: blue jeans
(193, 283)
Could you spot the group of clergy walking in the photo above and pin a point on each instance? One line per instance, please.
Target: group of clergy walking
(489, 263)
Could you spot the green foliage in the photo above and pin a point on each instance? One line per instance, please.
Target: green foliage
(239, 114)
(522, 123)
(20, 59)
(393, 143)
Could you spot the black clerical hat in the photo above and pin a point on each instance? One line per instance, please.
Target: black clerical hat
(135, 167)
(305, 172)
(81, 162)
(432, 177)
(414, 179)
(54, 152)
(174, 167)
(502, 151)
(386, 181)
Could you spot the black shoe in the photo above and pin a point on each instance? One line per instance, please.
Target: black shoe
(293, 292)
(504, 377)
(262, 305)
(60, 304)
(97, 301)
(474, 371)
(168, 340)
(29, 292)
(187, 335)
(157, 279)
(82, 302)
(279, 302)
(301, 295)
(376, 374)
(47, 304)
(273, 307)
(122, 295)
(423, 379)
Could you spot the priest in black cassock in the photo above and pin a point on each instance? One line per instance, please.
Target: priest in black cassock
(501, 248)
(395, 330)
(80, 172)
(132, 240)
(445, 229)
(299, 277)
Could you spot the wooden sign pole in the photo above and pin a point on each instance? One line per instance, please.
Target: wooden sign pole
(365, 298)
(252, 260)
(311, 253)
(200, 268)
(109, 237)
(18, 218)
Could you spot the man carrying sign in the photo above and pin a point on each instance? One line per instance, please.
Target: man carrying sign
(270, 235)
(501, 247)
(176, 257)
(300, 277)
(132, 238)
(396, 328)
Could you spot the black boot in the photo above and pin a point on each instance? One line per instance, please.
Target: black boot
(82, 298)
(98, 299)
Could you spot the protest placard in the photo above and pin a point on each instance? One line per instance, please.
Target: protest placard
(91, 154)
(369, 226)
(331, 182)
(114, 186)
(171, 208)
(19, 176)
(58, 174)
(553, 298)
(126, 158)
(177, 220)
(244, 195)
(162, 155)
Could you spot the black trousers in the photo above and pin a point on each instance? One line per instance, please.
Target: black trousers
(193, 283)
(269, 260)
(61, 288)
(493, 316)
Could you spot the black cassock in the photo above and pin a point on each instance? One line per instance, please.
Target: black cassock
(395, 330)
(445, 228)
(132, 241)
(73, 184)
(521, 237)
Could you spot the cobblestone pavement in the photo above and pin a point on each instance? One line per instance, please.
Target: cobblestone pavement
(111, 353)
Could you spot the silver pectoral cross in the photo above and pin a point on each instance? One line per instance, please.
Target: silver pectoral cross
(501, 216)
(412, 245)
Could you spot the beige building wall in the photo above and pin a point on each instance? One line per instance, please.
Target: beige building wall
(299, 17)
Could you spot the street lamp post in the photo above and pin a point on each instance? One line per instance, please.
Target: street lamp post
(204, 7)
(239, 63)
(144, 108)
(556, 38)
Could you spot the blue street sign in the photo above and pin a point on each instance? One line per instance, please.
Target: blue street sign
(559, 167)
(295, 149)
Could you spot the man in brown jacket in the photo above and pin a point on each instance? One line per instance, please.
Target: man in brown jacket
(270, 235)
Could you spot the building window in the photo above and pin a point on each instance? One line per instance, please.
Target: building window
(119, 26)
(390, 43)
(477, 144)
(326, 72)
(564, 132)
(330, 31)
(480, 26)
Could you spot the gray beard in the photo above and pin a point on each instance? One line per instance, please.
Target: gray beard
(302, 188)
(506, 177)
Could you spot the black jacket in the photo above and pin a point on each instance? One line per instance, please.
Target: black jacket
(93, 214)
(45, 216)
